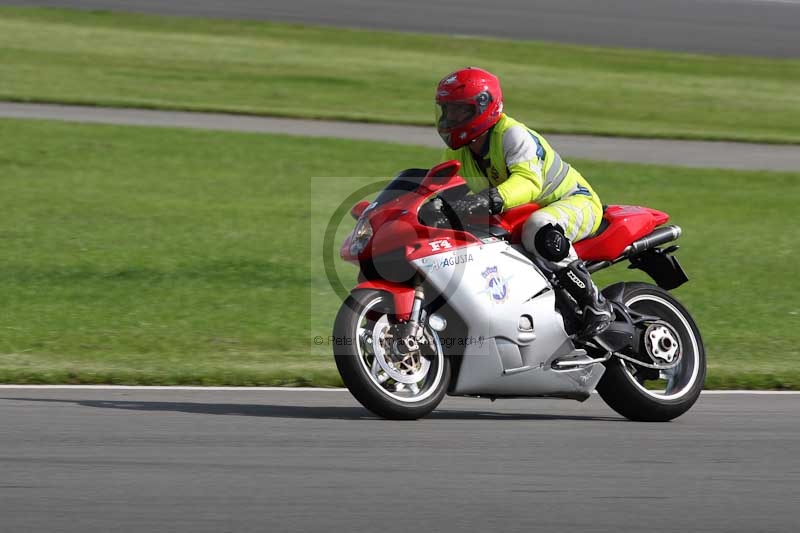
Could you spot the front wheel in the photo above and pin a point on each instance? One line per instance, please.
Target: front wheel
(644, 394)
(390, 383)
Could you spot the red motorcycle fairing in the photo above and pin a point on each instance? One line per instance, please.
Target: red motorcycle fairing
(396, 223)
(402, 294)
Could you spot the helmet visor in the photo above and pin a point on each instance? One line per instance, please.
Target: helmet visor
(454, 114)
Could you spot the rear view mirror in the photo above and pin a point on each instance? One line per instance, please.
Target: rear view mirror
(442, 171)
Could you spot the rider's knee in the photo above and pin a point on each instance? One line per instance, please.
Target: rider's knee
(551, 243)
(545, 237)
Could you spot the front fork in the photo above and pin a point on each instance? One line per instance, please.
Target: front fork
(409, 333)
(409, 314)
(409, 311)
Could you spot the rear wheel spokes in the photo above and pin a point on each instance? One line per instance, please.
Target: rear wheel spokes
(658, 345)
(661, 343)
(647, 377)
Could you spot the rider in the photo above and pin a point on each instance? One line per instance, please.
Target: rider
(506, 164)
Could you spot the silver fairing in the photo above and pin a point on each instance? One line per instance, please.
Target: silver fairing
(513, 332)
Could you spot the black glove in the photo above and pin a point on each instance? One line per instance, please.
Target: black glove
(431, 213)
(485, 203)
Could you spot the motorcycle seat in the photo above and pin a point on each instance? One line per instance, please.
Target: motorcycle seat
(621, 225)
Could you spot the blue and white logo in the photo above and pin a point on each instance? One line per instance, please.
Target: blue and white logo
(540, 153)
(580, 190)
(496, 285)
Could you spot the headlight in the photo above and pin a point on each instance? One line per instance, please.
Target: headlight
(361, 236)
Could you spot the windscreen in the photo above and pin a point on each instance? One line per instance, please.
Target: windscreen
(407, 181)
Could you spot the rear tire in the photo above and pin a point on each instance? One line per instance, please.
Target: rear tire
(630, 389)
(391, 389)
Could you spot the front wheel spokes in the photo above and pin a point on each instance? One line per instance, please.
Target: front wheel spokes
(407, 377)
(368, 336)
(364, 336)
(377, 371)
(410, 363)
(376, 367)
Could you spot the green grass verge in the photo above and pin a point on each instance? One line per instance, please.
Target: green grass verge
(99, 58)
(160, 256)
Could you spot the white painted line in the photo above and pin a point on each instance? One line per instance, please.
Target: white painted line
(312, 389)
(758, 1)
(171, 388)
(754, 392)
(776, 1)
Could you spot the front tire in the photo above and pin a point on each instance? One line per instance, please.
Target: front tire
(391, 387)
(648, 395)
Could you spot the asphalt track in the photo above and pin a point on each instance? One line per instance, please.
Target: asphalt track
(728, 155)
(739, 27)
(184, 461)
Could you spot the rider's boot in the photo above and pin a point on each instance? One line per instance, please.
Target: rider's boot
(597, 311)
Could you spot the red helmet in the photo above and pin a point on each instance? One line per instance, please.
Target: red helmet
(468, 102)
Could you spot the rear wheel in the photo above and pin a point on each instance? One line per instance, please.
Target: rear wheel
(392, 383)
(670, 339)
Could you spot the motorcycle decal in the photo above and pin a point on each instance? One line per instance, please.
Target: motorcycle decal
(575, 279)
(432, 264)
(496, 285)
(438, 245)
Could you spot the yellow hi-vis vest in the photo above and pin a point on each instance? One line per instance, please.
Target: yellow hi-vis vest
(523, 166)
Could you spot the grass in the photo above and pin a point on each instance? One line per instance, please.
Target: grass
(142, 255)
(100, 58)
(159, 256)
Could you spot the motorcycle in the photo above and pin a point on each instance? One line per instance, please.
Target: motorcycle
(450, 307)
